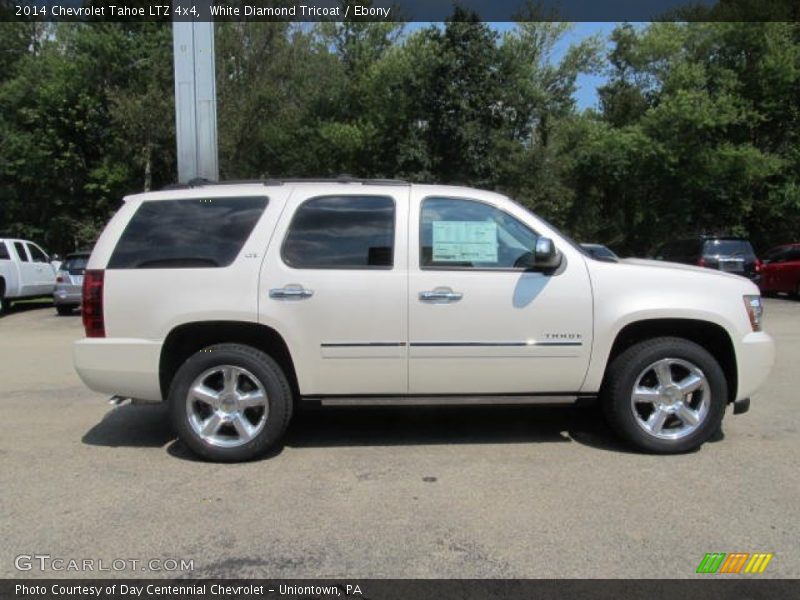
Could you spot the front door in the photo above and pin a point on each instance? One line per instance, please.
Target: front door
(45, 276)
(479, 323)
(335, 285)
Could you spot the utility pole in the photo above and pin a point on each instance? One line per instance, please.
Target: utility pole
(195, 93)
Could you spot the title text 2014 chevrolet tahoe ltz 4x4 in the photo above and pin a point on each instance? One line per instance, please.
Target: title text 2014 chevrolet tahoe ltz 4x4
(234, 302)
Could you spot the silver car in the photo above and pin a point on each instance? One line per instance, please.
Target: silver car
(69, 283)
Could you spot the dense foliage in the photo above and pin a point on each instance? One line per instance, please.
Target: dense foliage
(697, 128)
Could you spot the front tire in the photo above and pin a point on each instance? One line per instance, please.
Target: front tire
(230, 403)
(665, 395)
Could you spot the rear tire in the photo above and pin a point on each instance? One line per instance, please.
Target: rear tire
(665, 395)
(4, 304)
(230, 403)
(64, 309)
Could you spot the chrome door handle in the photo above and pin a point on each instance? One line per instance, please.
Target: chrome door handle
(293, 293)
(440, 296)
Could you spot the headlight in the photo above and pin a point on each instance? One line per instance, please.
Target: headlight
(755, 310)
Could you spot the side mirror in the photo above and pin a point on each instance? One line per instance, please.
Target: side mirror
(55, 258)
(544, 257)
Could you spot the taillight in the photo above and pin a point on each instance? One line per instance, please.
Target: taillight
(701, 262)
(759, 264)
(93, 321)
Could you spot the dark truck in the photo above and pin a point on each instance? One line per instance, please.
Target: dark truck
(725, 253)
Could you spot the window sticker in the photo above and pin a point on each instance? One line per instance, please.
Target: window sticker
(465, 241)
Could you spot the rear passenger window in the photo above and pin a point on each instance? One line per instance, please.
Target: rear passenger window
(341, 232)
(4, 252)
(192, 233)
(20, 248)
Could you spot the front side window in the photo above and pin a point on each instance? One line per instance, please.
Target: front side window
(777, 255)
(459, 234)
(37, 254)
(20, 248)
(190, 233)
(341, 232)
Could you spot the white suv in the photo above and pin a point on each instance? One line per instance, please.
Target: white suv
(232, 302)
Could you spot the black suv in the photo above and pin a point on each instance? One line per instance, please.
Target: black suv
(726, 253)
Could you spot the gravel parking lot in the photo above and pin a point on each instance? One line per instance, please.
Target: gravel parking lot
(445, 492)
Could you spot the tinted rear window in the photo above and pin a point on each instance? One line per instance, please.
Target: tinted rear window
(194, 233)
(341, 232)
(75, 265)
(728, 248)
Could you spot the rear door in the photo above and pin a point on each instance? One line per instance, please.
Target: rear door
(334, 284)
(28, 277)
(8, 269)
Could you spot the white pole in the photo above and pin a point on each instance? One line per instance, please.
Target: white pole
(195, 94)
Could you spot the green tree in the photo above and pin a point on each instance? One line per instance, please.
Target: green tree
(711, 111)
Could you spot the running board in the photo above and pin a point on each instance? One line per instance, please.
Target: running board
(439, 400)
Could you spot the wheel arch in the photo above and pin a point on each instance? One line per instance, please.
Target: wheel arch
(188, 338)
(711, 336)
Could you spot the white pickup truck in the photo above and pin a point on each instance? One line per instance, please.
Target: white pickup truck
(25, 272)
(234, 302)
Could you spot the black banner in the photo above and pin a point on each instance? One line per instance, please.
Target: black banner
(399, 10)
(705, 588)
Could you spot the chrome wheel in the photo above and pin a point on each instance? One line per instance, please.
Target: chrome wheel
(671, 398)
(227, 406)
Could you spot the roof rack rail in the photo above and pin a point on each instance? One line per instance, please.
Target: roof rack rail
(201, 182)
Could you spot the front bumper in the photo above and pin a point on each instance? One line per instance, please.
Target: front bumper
(755, 358)
(119, 366)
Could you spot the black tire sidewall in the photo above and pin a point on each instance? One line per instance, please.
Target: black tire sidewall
(622, 377)
(269, 374)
